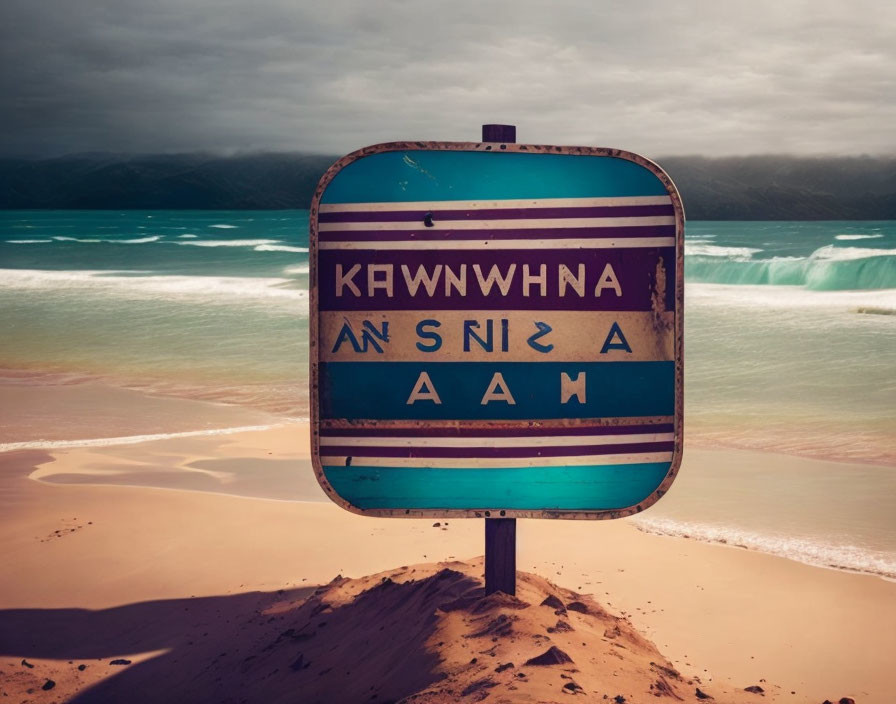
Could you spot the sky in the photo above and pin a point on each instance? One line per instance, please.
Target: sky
(329, 76)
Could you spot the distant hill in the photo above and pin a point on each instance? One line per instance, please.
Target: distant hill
(785, 188)
(731, 188)
(183, 181)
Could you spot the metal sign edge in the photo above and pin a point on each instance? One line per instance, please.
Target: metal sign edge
(313, 378)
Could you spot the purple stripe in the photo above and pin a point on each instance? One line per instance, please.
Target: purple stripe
(634, 268)
(424, 234)
(466, 432)
(569, 451)
(613, 211)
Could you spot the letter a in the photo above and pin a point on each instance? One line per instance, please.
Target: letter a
(492, 393)
(608, 280)
(424, 390)
(615, 333)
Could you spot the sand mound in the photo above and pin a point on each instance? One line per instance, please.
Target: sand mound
(422, 634)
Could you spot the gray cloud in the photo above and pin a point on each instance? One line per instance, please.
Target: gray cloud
(654, 77)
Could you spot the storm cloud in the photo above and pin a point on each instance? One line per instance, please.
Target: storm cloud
(659, 78)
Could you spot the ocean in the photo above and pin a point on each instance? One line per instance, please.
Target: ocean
(148, 324)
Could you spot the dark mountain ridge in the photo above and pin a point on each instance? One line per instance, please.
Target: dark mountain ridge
(726, 188)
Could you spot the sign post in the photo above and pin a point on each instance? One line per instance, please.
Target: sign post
(496, 332)
(500, 533)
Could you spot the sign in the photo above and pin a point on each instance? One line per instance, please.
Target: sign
(496, 331)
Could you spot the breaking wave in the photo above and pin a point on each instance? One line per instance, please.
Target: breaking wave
(828, 268)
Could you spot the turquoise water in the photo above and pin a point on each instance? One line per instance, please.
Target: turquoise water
(790, 327)
(204, 305)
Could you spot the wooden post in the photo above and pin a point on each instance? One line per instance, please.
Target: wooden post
(500, 555)
(500, 533)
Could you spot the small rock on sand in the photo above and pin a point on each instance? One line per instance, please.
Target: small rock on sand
(25, 663)
(553, 602)
(48, 685)
(552, 656)
(560, 627)
(755, 689)
(120, 661)
(702, 695)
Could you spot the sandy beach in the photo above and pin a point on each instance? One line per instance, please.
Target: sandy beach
(182, 557)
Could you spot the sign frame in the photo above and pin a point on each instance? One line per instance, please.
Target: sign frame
(497, 512)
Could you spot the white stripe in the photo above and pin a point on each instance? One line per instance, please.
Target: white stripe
(546, 441)
(597, 243)
(502, 224)
(492, 204)
(465, 462)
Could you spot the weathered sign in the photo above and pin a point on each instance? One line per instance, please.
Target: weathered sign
(496, 330)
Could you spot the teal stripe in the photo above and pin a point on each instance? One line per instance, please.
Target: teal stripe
(589, 488)
(380, 390)
(455, 175)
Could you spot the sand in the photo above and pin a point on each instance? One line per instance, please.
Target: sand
(209, 586)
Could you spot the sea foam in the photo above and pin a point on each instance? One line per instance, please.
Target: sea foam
(229, 243)
(93, 240)
(297, 269)
(127, 440)
(279, 248)
(762, 297)
(808, 551)
(138, 240)
(697, 248)
(125, 284)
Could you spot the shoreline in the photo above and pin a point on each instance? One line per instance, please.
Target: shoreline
(167, 462)
(724, 543)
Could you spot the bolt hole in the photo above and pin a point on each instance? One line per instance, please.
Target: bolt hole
(427, 220)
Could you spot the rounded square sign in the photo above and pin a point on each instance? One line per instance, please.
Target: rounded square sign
(496, 330)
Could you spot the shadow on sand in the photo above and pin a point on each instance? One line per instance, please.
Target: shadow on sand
(287, 646)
